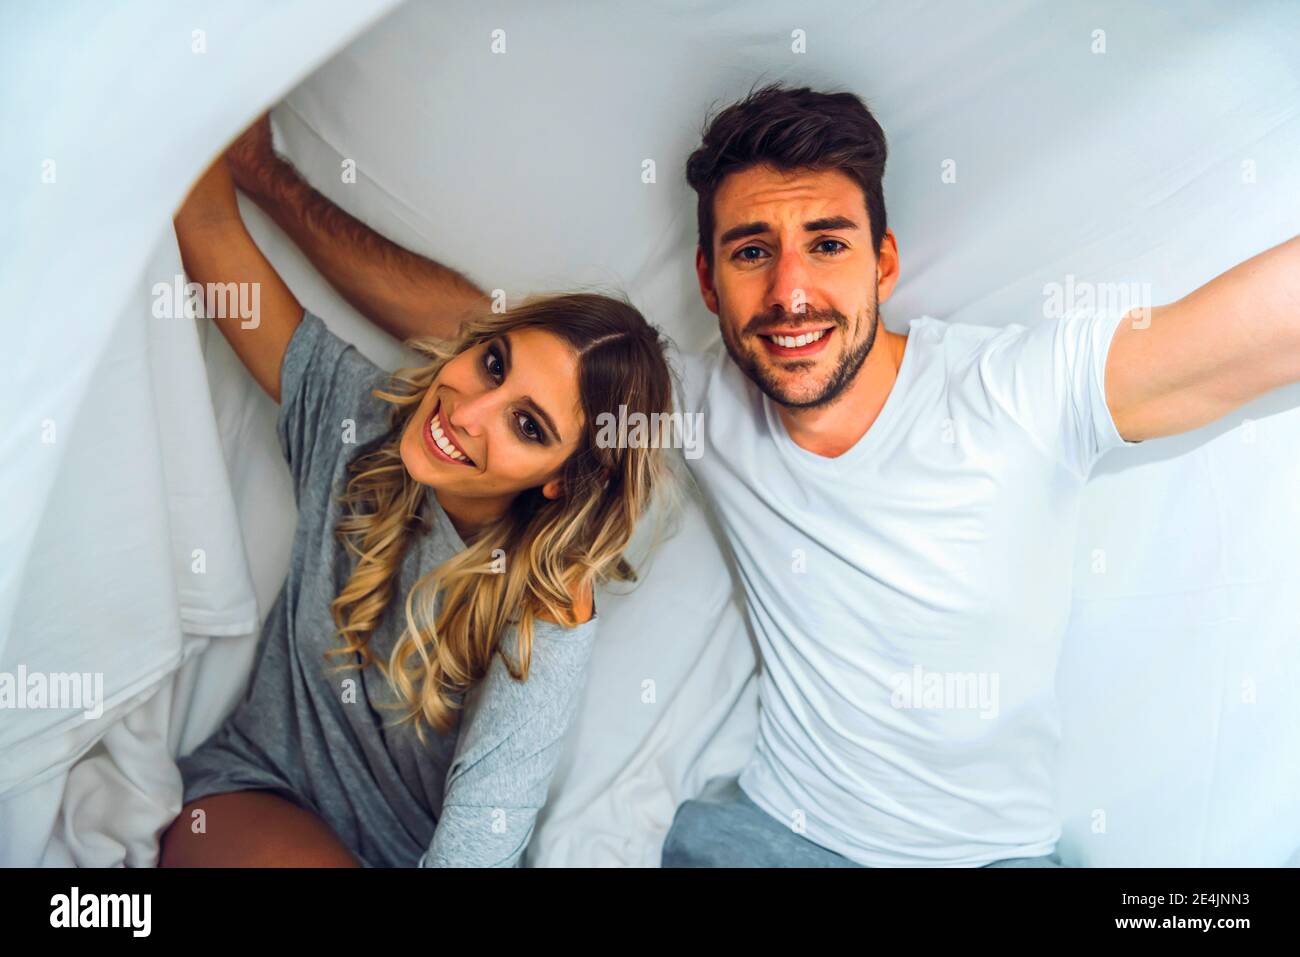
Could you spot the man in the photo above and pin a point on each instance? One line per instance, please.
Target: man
(902, 508)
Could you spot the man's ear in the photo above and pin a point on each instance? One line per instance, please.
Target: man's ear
(704, 273)
(887, 268)
(553, 489)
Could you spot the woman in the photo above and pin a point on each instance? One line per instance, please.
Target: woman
(416, 675)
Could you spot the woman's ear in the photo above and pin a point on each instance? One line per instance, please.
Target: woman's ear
(553, 489)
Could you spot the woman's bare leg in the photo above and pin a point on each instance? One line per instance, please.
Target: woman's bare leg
(251, 829)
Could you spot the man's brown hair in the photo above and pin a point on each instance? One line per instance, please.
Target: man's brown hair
(791, 129)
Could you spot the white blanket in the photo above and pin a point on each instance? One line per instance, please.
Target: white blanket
(1107, 143)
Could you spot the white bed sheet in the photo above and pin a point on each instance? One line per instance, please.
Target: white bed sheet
(121, 543)
(1165, 159)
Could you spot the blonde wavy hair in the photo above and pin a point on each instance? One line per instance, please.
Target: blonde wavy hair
(457, 614)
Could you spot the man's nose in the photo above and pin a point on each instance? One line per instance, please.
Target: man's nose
(788, 287)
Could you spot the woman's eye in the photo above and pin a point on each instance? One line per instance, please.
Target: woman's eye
(840, 247)
(529, 428)
(492, 362)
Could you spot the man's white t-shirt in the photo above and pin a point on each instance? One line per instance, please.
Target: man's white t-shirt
(909, 597)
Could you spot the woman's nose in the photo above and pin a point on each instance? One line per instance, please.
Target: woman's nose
(472, 412)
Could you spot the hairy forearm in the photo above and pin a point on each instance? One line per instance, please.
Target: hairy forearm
(402, 292)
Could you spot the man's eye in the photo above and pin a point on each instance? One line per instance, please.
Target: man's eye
(740, 253)
(529, 428)
(493, 364)
(840, 247)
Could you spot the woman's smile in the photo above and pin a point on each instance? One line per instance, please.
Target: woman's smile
(440, 442)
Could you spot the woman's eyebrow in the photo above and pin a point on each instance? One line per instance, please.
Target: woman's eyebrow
(533, 407)
(541, 414)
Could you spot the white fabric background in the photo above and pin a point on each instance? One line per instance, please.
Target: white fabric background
(525, 171)
(100, 524)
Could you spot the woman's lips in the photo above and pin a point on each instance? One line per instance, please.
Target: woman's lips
(432, 445)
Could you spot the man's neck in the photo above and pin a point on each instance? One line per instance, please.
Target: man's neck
(832, 430)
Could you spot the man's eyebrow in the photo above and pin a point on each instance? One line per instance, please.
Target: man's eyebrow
(741, 231)
(828, 223)
(745, 230)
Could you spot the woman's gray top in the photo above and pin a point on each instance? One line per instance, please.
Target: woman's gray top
(466, 798)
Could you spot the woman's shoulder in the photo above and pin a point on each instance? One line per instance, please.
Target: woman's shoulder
(557, 664)
(584, 609)
(564, 646)
(327, 409)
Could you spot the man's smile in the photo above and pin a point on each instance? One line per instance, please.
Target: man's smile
(796, 344)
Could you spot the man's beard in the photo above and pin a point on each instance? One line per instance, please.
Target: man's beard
(845, 371)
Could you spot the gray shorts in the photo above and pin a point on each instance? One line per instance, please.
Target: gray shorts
(726, 829)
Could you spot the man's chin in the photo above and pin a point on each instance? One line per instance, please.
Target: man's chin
(794, 383)
(799, 401)
(793, 390)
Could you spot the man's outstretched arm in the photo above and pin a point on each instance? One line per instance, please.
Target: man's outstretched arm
(402, 292)
(1212, 351)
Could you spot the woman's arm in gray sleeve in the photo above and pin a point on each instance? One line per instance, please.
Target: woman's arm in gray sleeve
(510, 740)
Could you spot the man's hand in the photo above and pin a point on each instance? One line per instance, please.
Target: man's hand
(405, 294)
(252, 160)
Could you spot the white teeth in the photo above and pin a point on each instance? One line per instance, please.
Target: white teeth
(442, 442)
(794, 342)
